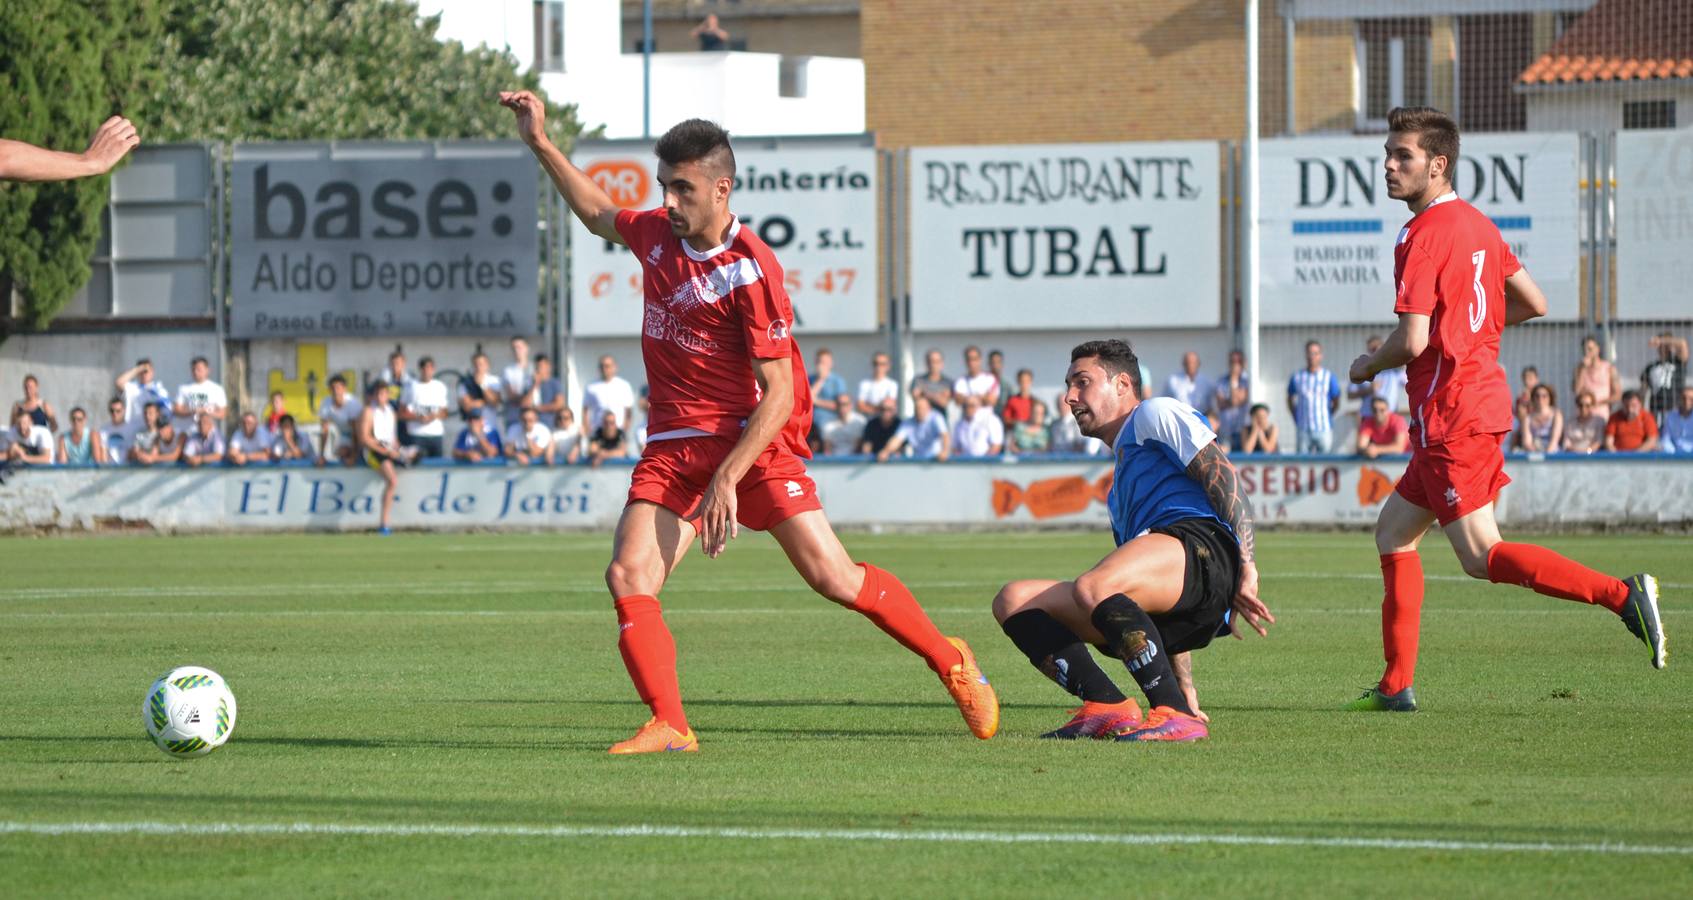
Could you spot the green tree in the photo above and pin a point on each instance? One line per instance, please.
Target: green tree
(280, 70)
(65, 66)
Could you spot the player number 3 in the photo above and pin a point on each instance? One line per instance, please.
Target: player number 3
(1478, 309)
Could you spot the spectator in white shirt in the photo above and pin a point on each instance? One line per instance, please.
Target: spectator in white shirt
(479, 394)
(140, 390)
(924, 436)
(878, 387)
(567, 438)
(380, 439)
(250, 443)
(978, 432)
(528, 442)
(517, 383)
(202, 395)
(840, 437)
(1188, 385)
(28, 443)
(424, 409)
(984, 386)
(338, 417)
(205, 447)
(159, 444)
(610, 394)
(116, 435)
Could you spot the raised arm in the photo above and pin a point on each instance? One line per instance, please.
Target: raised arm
(1523, 299)
(586, 199)
(25, 162)
(1221, 483)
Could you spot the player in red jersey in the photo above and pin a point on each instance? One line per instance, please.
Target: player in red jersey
(1459, 285)
(730, 408)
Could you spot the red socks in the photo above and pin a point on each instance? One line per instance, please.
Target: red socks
(1401, 617)
(1549, 573)
(886, 602)
(649, 653)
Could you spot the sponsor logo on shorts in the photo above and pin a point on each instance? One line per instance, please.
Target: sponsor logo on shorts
(1451, 496)
(795, 489)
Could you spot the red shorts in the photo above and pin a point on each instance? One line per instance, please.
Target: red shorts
(1456, 478)
(675, 473)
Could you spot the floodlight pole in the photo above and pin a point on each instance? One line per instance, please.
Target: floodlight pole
(1249, 295)
(646, 69)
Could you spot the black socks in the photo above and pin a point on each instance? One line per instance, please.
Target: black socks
(1061, 656)
(1131, 637)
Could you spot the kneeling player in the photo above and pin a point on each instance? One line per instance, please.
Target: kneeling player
(1183, 561)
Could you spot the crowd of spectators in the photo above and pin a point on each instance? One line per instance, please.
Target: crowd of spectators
(521, 415)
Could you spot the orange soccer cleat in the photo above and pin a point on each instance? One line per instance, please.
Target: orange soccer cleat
(1100, 721)
(970, 690)
(1165, 724)
(658, 737)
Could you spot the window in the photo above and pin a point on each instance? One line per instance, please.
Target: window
(792, 80)
(1648, 114)
(1393, 68)
(549, 35)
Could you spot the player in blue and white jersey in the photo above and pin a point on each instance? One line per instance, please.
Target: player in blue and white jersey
(1183, 562)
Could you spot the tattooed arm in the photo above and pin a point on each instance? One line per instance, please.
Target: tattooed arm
(1217, 476)
(1182, 664)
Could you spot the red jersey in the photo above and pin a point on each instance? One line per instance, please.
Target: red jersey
(707, 316)
(1451, 264)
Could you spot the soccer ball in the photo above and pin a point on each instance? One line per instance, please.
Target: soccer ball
(189, 711)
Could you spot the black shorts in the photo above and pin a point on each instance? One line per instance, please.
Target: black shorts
(1208, 584)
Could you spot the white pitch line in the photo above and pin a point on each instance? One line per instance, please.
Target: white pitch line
(291, 829)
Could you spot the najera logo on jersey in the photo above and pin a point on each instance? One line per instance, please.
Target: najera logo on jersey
(624, 180)
(778, 330)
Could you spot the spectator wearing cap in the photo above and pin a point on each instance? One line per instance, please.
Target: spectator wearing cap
(158, 444)
(40, 411)
(250, 444)
(202, 395)
(338, 417)
(424, 409)
(141, 389)
(206, 446)
(1631, 429)
(28, 443)
(80, 445)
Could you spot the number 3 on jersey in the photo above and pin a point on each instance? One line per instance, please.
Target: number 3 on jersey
(1478, 309)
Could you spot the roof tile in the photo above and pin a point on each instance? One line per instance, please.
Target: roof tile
(1620, 40)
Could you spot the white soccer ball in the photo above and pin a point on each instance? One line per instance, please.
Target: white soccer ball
(189, 711)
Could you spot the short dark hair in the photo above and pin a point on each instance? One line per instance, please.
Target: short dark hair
(426, 361)
(1436, 133)
(541, 358)
(1630, 395)
(1116, 357)
(337, 378)
(1257, 406)
(287, 419)
(198, 360)
(696, 140)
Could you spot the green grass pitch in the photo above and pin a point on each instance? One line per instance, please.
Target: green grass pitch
(471, 683)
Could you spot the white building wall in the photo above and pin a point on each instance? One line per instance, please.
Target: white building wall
(1599, 108)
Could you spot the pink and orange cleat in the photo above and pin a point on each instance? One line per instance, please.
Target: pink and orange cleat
(1101, 721)
(658, 737)
(970, 690)
(1166, 724)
